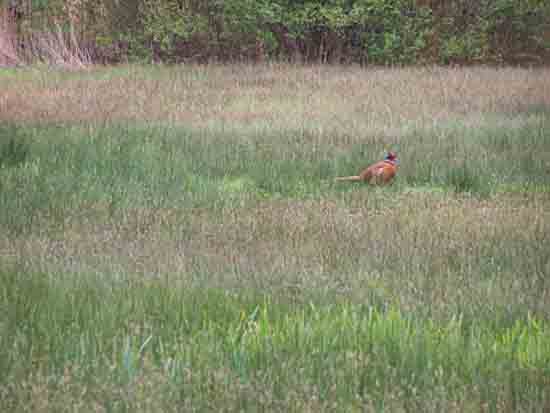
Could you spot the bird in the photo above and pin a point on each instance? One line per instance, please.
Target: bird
(379, 173)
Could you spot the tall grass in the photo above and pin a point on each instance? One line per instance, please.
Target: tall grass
(173, 166)
(149, 345)
(203, 258)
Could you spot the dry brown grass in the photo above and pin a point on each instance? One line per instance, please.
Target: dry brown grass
(345, 100)
(352, 247)
(224, 391)
(8, 41)
(56, 48)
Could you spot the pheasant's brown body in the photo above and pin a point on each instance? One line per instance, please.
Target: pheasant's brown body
(379, 173)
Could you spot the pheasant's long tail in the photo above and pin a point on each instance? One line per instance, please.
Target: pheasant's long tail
(349, 178)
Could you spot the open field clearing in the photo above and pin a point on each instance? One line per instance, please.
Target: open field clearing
(172, 239)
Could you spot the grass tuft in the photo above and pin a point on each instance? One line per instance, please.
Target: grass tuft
(463, 179)
(14, 148)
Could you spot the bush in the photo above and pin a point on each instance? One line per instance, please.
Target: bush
(337, 31)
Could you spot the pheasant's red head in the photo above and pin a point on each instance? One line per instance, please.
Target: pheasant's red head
(391, 156)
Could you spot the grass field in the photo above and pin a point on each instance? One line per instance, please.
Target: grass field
(172, 239)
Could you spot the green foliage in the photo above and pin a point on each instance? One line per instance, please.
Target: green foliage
(392, 31)
(165, 22)
(494, 30)
(245, 16)
(367, 31)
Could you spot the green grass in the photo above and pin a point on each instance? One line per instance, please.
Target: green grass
(56, 169)
(151, 345)
(165, 265)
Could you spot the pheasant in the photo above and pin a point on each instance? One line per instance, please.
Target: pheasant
(380, 173)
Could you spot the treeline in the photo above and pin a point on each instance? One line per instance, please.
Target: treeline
(308, 31)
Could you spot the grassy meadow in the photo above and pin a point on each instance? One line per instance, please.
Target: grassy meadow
(172, 239)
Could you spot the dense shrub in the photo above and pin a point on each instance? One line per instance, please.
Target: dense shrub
(326, 31)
